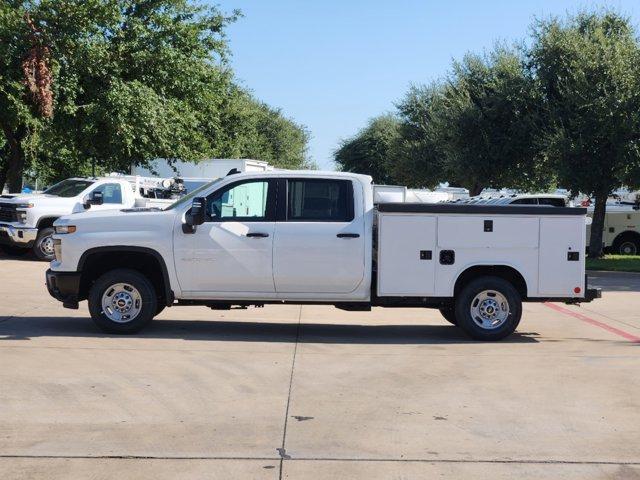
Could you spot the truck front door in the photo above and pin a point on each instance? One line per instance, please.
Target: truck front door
(231, 254)
(319, 244)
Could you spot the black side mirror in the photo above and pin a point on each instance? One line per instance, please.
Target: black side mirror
(196, 215)
(96, 198)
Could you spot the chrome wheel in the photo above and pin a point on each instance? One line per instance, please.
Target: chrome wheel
(489, 309)
(121, 303)
(46, 246)
(628, 248)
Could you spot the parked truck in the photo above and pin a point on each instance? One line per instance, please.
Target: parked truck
(312, 237)
(26, 220)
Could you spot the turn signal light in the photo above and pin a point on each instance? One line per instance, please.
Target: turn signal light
(62, 229)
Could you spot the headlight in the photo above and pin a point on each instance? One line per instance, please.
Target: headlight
(20, 211)
(63, 229)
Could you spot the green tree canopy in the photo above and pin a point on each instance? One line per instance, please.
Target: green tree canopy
(371, 151)
(478, 128)
(588, 69)
(121, 82)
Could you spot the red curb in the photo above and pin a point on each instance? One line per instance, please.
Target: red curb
(616, 331)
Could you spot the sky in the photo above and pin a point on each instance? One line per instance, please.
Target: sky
(332, 65)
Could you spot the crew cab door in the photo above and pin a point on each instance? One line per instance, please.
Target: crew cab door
(231, 253)
(319, 244)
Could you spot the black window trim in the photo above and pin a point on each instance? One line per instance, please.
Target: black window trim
(270, 208)
(283, 199)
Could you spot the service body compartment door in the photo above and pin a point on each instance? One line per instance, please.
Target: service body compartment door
(406, 255)
(561, 261)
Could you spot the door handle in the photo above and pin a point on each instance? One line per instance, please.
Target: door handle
(257, 235)
(348, 235)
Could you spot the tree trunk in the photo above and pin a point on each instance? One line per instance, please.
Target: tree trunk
(475, 190)
(14, 165)
(3, 176)
(597, 226)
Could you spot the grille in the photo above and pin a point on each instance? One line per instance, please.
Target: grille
(8, 212)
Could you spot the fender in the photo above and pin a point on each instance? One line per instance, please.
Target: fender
(169, 296)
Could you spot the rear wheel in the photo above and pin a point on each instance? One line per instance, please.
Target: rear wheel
(449, 314)
(488, 308)
(43, 246)
(122, 301)
(627, 245)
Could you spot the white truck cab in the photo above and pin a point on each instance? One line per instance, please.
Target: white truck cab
(317, 237)
(26, 220)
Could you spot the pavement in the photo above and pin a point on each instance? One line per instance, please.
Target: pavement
(313, 392)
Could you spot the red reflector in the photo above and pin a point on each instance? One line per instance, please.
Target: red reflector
(577, 290)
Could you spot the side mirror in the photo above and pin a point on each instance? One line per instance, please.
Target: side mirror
(96, 198)
(197, 214)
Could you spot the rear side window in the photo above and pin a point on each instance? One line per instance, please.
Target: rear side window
(317, 200)
(554, 202)
(525, 201)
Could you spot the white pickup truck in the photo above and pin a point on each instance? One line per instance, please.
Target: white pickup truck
(314, 237)
(26, 220)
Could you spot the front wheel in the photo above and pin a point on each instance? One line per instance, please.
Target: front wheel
(43, 246)
(488, 308)
(122, 301)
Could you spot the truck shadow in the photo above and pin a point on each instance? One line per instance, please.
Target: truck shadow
(26, 328)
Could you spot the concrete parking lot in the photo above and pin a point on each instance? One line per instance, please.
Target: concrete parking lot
(317, 393)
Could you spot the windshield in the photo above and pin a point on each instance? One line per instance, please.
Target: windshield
(187, 198)
(68, 188)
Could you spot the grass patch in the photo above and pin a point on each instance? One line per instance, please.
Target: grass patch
(615, 263)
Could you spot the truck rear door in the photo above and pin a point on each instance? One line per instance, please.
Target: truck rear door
(319, 241)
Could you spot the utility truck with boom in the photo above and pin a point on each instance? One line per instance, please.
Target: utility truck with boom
(26, 220)
(316, 237)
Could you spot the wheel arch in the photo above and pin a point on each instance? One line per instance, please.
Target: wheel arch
(46, 222)
(97, 261)
(627, 234)
(507, 272)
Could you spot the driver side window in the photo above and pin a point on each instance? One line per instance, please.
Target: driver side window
(246, 201)
(111, 193)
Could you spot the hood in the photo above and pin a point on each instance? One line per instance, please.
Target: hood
(20, 197)
(118, 220)
(36, 198)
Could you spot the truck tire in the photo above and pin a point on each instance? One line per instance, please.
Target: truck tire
(449, 314)
(626, 244)
(12, 251)
(488, 308)
(122, 301)
(43, 246)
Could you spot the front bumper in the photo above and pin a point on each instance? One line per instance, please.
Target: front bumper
(65, 287)
(18, 236)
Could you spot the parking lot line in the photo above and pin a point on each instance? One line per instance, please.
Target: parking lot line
(596, 323)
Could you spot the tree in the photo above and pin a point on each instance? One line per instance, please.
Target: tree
(253, 129)
(589, 72)
(371, 151)
(113, 82)
(478, 128)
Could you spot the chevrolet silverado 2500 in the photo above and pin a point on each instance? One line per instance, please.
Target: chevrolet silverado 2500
(314, 237)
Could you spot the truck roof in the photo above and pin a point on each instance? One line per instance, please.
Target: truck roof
(308, 173)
